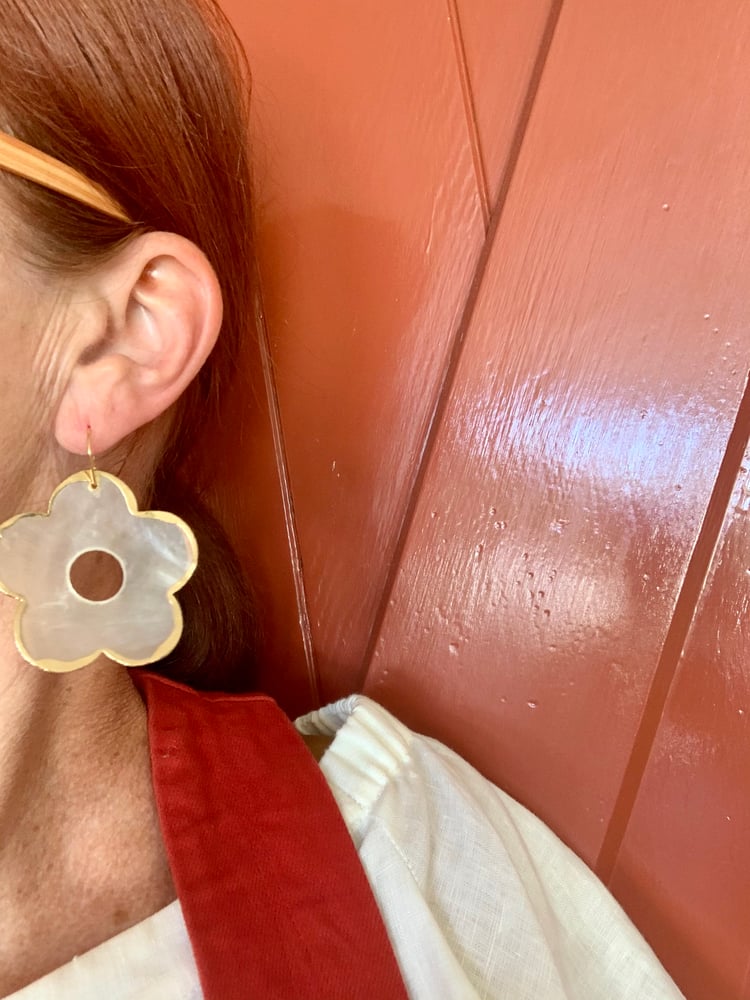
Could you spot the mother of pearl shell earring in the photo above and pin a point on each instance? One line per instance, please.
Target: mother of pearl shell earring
(56, 627)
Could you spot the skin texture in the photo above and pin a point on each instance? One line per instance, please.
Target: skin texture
(81, 855)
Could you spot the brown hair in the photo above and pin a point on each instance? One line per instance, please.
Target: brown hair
(148, 99)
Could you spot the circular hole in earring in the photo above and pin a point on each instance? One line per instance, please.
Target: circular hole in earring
(96, 575)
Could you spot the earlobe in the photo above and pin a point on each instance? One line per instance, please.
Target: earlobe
(163, 314)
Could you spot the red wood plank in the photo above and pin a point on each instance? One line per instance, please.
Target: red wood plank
(369, 226)
(684, 867)
(592, 406)
(241, 472)
(499, 39)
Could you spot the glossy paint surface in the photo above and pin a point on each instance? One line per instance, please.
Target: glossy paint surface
(586, 426)
(503, 252)
(503, 42)
(369, 227)
(682, 870)
(370, 224)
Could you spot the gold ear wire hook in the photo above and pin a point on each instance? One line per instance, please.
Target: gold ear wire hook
(91, 472)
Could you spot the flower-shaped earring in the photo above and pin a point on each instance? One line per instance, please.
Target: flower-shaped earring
(58, 629)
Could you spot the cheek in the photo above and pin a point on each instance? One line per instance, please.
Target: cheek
(29, 384)
(28, 369)
(21, 455)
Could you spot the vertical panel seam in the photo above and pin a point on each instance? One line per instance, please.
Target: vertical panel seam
(697, 571)
(287, 498)
(745, 982)
(445, 385)
(472, 123)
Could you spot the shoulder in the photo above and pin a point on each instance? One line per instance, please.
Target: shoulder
(374, 758)
(480, 897)
(369, 753)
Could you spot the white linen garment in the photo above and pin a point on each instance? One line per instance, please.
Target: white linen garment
(480, 899)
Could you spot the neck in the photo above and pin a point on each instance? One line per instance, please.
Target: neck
(81, 856)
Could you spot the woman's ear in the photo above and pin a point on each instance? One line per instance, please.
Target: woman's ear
(156, 317)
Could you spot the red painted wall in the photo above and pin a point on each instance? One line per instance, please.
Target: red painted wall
(496, 476)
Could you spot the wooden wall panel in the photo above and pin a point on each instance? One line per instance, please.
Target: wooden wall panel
(243, 488)
(370, 226)
(557, 528)
(500, 39)
(590, 412)
(684, 868)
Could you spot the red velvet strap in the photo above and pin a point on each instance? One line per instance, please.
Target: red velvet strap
(275, 899)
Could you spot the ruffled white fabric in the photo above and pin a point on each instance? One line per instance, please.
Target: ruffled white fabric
(480, 899)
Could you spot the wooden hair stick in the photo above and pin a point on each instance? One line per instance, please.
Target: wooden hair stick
(19, 158)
